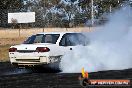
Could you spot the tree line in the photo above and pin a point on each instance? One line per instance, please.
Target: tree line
(60, 13)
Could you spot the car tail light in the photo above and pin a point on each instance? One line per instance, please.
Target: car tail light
(42, 49)
(13, 49)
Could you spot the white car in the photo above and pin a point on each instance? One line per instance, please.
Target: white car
(45, 49)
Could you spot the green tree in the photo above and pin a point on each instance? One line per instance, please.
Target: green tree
(8, 6)
(100, 7)
(69, 10)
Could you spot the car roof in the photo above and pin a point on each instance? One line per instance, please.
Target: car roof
(57, 32)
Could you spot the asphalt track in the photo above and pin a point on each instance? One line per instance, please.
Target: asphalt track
(11, 77)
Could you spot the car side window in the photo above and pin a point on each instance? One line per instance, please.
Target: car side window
(66, 40)
(63, 41)
(73, 39)
(70, 40)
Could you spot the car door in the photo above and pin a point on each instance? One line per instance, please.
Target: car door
(70, 41)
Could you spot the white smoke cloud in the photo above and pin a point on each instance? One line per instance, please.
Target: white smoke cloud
(110, 47)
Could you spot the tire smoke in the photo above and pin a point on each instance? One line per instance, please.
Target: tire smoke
(110, 48)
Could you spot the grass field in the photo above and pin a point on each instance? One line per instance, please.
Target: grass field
(13, 33)
(5, 44)
(4, 53)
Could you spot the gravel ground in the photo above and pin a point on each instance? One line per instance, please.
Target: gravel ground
(11, 77)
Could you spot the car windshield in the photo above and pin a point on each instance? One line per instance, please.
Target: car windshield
(41, 38)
